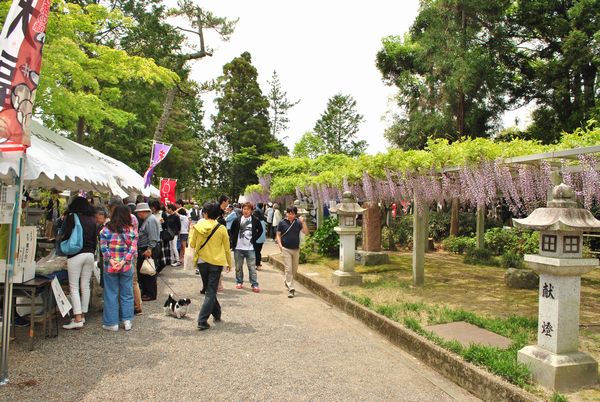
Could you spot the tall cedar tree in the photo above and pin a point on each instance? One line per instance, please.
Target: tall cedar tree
(279, 105)
(447, 71)
(338, 126)
(242, 119)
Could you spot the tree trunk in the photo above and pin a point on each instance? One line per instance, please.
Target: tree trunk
(80, 130)
(454, 217)
(164, 118)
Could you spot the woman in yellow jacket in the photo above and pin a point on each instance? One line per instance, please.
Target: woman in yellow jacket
(211, 243)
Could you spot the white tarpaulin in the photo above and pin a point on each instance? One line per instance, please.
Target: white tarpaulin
(55, 161)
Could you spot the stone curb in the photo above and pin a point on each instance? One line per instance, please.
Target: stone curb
(479, 382)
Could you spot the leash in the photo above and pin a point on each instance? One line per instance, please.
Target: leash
(165, 282)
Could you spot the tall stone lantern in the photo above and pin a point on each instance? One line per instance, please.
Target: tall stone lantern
(555, 361)
(300, 207)
(347, 212)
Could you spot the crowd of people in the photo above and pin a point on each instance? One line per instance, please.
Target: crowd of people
(126, 237)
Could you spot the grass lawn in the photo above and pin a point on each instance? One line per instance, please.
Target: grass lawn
(455, 291)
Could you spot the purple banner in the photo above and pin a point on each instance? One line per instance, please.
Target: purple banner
(159, 152)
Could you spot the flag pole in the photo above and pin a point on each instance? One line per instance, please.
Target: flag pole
(8, 276)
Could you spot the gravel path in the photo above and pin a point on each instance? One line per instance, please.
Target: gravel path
(269, 347)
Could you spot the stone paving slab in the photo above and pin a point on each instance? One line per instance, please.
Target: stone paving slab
(468, 334)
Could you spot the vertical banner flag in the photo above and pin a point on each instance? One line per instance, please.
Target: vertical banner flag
(21, 43)
(159, 152)
(167, 190)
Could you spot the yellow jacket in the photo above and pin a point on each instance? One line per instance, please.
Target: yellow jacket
(216, 251)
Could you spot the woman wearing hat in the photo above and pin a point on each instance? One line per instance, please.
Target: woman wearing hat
(148, 237)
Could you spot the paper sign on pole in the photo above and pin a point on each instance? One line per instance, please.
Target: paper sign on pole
(61, 299)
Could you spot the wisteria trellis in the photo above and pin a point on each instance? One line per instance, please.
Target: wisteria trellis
(523, 187)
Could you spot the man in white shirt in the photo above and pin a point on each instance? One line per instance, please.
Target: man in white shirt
(245, 230)
(269, 215)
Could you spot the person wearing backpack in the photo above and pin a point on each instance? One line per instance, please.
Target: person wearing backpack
(210, 241)
(81, 221)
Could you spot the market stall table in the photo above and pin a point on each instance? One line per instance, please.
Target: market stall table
(31, 289)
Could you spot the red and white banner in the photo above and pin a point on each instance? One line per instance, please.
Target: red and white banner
(167, 190)
(21, 43)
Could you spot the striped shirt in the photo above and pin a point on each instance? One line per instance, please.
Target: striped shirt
(118, 246)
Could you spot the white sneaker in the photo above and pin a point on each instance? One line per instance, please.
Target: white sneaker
(113, 328)
(73, 325)
(127, 324)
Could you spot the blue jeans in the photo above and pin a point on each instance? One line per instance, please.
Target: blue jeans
(211, 304)
(250, 256)
(118, 287)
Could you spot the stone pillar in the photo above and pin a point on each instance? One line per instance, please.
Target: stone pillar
(418, 260)
(371, 239)
(480, 227)
(346, 275)
(454, 217)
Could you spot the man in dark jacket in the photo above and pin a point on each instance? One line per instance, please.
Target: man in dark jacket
(245, 230)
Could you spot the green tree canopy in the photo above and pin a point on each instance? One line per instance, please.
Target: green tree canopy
(338, 125)
(310, 146)
(242, 120)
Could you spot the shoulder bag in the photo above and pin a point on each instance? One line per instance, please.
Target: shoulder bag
(74, 243)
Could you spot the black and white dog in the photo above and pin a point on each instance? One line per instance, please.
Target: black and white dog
(176, 308)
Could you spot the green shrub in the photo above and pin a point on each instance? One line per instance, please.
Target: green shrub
(459, 245)
(326, 240)
(511, 260)
(306, 249)
(514, 241)
(480, 256)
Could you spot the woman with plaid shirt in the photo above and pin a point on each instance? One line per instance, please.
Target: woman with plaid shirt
(118, 243)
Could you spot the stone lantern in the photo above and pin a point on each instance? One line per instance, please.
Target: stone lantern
(347, 212)
(555, 361)
(301, 210)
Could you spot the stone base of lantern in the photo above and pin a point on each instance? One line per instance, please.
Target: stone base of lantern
(341, 278)
(560, 372)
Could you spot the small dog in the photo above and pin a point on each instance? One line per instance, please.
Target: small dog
(176, 308)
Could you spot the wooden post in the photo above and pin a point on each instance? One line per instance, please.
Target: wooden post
(418, 260)
(425, 223)
(454, 217)
(480, 227)
(319, 212)
(371, 240)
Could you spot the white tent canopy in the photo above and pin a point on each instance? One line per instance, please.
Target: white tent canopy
(55, 161)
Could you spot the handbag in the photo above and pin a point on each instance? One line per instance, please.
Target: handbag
(74, 243)
(148, 267)
(167, 234)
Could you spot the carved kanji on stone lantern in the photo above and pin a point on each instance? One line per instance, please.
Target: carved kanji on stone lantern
(555, 361)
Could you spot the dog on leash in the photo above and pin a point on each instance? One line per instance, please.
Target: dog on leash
(176, 308)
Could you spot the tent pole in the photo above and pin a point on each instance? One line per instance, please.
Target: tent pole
(8, 277)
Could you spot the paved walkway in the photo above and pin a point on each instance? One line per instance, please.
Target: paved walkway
(269, 347)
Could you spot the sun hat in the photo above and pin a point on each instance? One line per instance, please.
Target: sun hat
(142, 207)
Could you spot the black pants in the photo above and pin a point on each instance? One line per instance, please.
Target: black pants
(147, 282)
(211, 304)
(203, 268)
(257, 252)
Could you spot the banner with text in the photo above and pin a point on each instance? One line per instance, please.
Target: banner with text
(167, 190)
(21, 43)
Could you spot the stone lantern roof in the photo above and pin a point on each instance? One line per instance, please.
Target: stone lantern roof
(348, 206)
(562, 214)
(301, 210)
